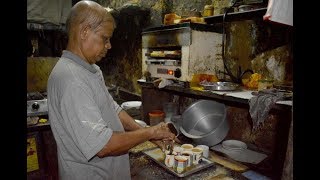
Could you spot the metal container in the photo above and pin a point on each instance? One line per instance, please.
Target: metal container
(220, 86)
(205, 122)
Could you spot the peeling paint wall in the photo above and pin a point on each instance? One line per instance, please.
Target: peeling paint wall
(256, 45)
(220, 5)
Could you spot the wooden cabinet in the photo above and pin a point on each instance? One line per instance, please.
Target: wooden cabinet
(41, 154)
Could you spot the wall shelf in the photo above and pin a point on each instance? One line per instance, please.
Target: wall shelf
(237, 16)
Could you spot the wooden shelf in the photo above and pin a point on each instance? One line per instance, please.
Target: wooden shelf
(237, 16)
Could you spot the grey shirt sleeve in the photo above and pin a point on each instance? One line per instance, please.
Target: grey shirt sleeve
(115, 104)
(86, 126)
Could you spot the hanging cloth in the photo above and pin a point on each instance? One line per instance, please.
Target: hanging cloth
(280, 11)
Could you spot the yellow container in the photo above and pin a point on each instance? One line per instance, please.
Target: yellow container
(208, 10)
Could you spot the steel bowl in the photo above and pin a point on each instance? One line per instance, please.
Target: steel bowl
(205, 122)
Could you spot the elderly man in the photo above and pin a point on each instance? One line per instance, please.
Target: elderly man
(93, 134)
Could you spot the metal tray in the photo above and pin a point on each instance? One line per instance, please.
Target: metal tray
(157, 155)
(220, 86)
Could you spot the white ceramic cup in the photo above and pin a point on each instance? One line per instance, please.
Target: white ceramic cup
(205, 149)
(197, 154)
(169, 160)
(177, 150)
(180, 163)
(189, 155)
(187, 147)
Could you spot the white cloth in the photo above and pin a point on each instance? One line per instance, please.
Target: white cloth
(280, 11)
(164, 82)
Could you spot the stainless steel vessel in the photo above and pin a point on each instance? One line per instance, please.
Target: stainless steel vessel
(205, 122)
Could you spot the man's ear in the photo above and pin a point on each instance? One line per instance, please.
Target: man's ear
(84, 31)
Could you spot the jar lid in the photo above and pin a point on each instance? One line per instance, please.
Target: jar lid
(156, 113)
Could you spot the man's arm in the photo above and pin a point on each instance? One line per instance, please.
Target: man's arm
(128, 122)
(121, 142)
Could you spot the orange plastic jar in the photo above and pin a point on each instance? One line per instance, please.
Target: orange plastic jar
(155, 117)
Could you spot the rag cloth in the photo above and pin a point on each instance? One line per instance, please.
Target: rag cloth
(261, 103)
(165, 82)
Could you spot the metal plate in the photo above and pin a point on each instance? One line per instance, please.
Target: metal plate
(220, 86)
(157, 155)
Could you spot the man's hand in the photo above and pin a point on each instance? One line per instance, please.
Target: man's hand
(159, 143)
(161, 131)
(162, 143)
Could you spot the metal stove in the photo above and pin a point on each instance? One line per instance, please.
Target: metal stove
(37, 104)
(179, 51)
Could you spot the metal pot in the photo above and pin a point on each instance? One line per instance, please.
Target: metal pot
(205, 122)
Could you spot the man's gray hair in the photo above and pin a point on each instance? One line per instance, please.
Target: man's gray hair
(87, 13)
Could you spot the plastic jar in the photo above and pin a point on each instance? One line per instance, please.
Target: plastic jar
(155, 117)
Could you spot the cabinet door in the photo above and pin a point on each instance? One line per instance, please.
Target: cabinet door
(35, 168)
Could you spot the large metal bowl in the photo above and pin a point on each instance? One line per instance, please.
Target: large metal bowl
(205, 122)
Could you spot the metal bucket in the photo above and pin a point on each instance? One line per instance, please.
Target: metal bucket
(205, 122)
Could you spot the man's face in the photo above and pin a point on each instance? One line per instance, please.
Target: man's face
(97, 43)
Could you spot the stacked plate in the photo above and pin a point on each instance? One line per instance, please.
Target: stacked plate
(131, 104)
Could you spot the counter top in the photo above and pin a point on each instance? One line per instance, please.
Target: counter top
(240, 96)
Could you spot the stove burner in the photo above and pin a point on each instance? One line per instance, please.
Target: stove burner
(37, 104)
